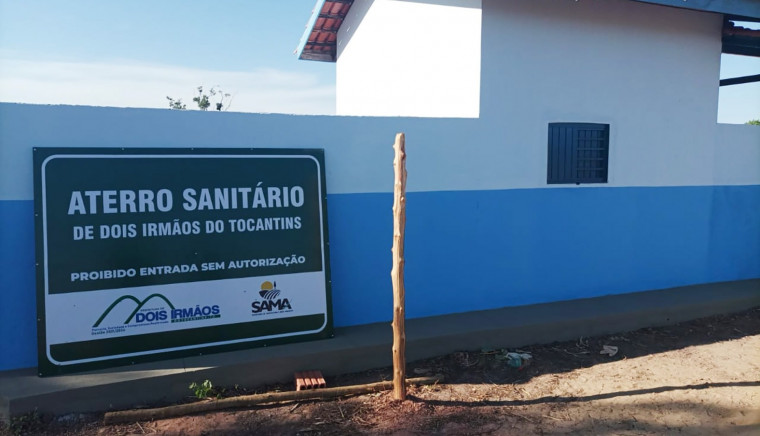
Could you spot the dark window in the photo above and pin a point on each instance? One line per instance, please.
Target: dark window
(578, 153)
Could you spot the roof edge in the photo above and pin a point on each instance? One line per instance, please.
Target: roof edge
(307, 31)
(739, 8)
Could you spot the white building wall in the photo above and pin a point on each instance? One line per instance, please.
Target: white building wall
(737, 155)
(651, 72)
(410, 58)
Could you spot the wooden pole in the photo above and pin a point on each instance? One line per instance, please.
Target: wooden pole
(397, 272)
(253, 400)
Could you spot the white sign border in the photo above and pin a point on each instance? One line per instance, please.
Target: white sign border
(173, 156)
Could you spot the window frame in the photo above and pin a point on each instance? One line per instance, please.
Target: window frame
(572, 150)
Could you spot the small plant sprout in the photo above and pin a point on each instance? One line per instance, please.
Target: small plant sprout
(201, 390)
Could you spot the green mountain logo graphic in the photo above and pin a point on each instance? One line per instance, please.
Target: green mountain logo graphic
(140, 305)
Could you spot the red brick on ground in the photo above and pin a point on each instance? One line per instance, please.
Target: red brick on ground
(309, 380)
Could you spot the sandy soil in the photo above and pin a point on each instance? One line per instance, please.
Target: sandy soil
(701, 377)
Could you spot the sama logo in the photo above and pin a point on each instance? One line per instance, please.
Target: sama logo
(269, 290)
(270, 302)
(160, 314)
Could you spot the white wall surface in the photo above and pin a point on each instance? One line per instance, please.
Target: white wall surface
(410, 58)
(443, 154)
(737, 154)
(651, 72)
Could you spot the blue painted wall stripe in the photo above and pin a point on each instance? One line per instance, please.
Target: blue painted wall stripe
(18, 303)
(475, 250)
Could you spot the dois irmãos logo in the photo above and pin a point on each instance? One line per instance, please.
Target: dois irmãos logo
(163, 311)
(270, 303)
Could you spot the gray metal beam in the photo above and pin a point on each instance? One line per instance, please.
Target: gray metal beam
(740, 80)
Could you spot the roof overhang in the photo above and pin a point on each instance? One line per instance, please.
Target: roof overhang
(319, 41)
(740, 40)
(746, 10)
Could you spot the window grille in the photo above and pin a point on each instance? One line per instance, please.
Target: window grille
(578, 153)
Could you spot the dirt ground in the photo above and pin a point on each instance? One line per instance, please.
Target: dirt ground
(700, 377)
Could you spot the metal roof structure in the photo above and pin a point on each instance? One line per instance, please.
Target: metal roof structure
(740, 40)
(319, 41)
(736, 39)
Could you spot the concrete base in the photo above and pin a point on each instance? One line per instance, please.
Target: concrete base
(369, 346)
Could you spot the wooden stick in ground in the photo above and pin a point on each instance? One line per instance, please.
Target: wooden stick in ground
(252, 400)
(397, 273)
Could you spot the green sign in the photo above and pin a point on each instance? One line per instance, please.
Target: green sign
(155, 253)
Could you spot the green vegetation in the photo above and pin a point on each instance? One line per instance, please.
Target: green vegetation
(203, 100)
(176, 104)
(28, 423)
(201, 390)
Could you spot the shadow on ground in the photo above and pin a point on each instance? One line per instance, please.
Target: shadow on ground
(474, 366)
